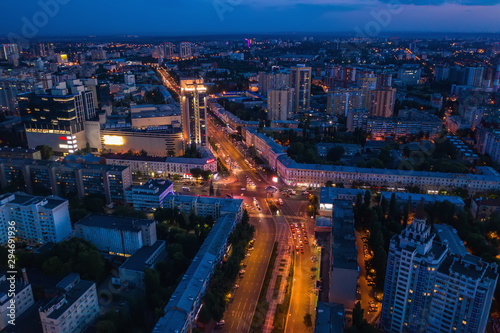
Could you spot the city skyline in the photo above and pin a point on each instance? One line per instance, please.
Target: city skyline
(373, 17)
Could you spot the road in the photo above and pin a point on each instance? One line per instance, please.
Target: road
(303, 299)
(243, 304)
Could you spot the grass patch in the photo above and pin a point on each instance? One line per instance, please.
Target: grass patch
(281, 313)
(277, 286)
(259, 317)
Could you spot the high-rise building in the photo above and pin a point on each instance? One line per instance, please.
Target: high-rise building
(410, 74)
(185, 51)
(341, 101)
(168, 50)
(280, 104)
(56, 117)
(9, 89)
(433, 284)
(474, 76)
(273, 81)
(22, 298)
(9, 51)
(339, 77)
(194, 116)
(381, 101)
(300, 81)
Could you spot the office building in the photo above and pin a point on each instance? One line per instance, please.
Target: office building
(280, 104)
(132, 271)
(343, 256)
(193, 108)
(115, 235)
(300, 81)
(74, 309)
(39, 220)
(185, 50)
(57, 117)
(23, 299)
(150, 195)
(433, 284)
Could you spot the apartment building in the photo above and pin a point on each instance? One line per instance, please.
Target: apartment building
(74, 309)
(39, 220)
(23, 299)
(116, 235)
(150, 195)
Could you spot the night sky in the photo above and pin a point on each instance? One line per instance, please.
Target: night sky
(190, 17)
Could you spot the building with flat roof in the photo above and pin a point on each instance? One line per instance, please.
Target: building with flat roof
(328, 195)
(12, 306)
(344, 256)
(165, 166)
(38, 220)
(204, 206)
(329, 318)
(350, 149)
(74, 309)
(414, 199)
(9, 152)
(116, 235)
(150, 195)
(132, 271)
(184, 303)
(67, 179)
(482, 209)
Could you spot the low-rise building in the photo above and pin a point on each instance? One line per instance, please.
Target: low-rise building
(344, 256)
(132, 271)
(74, 309)
(482, 209)
(116, 235)
(328, 195)
(350, 149)
(150, 195)
(14, 304)
(414, 199)
(330, 318)
(38, 220)
(32, 153)
(205, 206)
(165, 166)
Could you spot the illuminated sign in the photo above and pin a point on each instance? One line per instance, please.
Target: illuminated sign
(210, 161)
(63, 138)
(113, 140)
(275, 179)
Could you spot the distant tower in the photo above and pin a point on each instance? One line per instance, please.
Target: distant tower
(300, 81)
(185, 50)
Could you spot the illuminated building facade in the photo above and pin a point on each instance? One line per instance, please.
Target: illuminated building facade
(433, 284)
(194, 116)
(56, 117)
(185, 50)
(300, 80)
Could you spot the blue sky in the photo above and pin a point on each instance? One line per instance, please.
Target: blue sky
(188, 17)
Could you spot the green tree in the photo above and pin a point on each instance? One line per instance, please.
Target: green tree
(46, 151)
(308, 320)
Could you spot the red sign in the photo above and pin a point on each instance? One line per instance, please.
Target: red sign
(210, 161)
(63, 138)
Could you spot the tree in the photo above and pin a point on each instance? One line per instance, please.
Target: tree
(329, 183)
(46, 151)
(308, 320)
(143, 153)
(368, 198)
(335, 154)
(106, 326)
(357, 315)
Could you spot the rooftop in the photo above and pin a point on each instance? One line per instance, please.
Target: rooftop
(345, 254)
(113, 222)
(139, 260)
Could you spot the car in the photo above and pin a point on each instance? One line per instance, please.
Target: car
(250, 249)
(302, 250)
(236, 286)
(242, 271)
(247, 255)
(314, 269)
(297, 248)
(306, 241)
(371, 302)
(220, 323)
